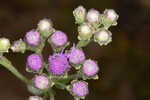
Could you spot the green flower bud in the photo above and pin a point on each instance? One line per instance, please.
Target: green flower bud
(79, 14)
(85, 31)
(4, 44)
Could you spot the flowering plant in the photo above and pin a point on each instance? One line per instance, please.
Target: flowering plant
(57, 70)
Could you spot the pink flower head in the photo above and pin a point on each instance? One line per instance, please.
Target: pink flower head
(76, 55)
(41, 81)
(80, 88)
(32, 38)
(58, 63)
(90, 68)
(34, 62)
(59, 38)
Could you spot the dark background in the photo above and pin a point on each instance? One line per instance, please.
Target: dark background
(124, 64)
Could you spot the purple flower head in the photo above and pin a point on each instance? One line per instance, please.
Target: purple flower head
(35, 98)
(93, 16)
(80, 88)
(58, 63)
(34, 62)
(76, 55)
(32, 38)
(59, 38)
(41, 81)
(90, 68)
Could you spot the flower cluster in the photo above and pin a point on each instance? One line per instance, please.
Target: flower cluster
(56, 71)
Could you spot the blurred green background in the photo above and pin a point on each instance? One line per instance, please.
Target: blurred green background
(124, 64)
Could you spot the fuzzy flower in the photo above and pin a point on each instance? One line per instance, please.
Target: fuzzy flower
(90, 68)
(93, 16)
(41, 81)
(4, 44)
(18, 46)
(79, 14)
(45, 25)
(80, 88)
(34, 62)
(58, 63)
(35, 98)
(76, 55)
(103, 37)
(85, 31)
(111, 15)
(59, 38)
(32, 38)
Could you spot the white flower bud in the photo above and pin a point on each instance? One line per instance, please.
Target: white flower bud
(103, 37)
(85, 31)
(111, 15)
(93, 16)
(45, 27)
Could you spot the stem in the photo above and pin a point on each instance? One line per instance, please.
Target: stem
(51, 94)
(45, 96)
(83, 43)
(7, 64)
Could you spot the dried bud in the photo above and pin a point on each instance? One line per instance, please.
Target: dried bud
(19, 46)
(4, 44)
(103, 37)
(93, 16)
(79, 14)
(85, 31)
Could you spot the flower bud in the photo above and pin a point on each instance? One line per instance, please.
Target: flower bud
(59, 38)
(111, 15)
(90, 68)
(41, 81)
(103, 37)
(79, 88)
(79, 14)
(4, 44)
(45, 27)
(19, 46)
(85, 31)
(35, 98)
(76, 55)
(32, 38)
(34, 62)
(93, 16)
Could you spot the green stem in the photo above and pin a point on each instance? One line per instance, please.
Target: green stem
(83, 43)
(74, 76)
(7, 64)
(45, 96)
(51, 94)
